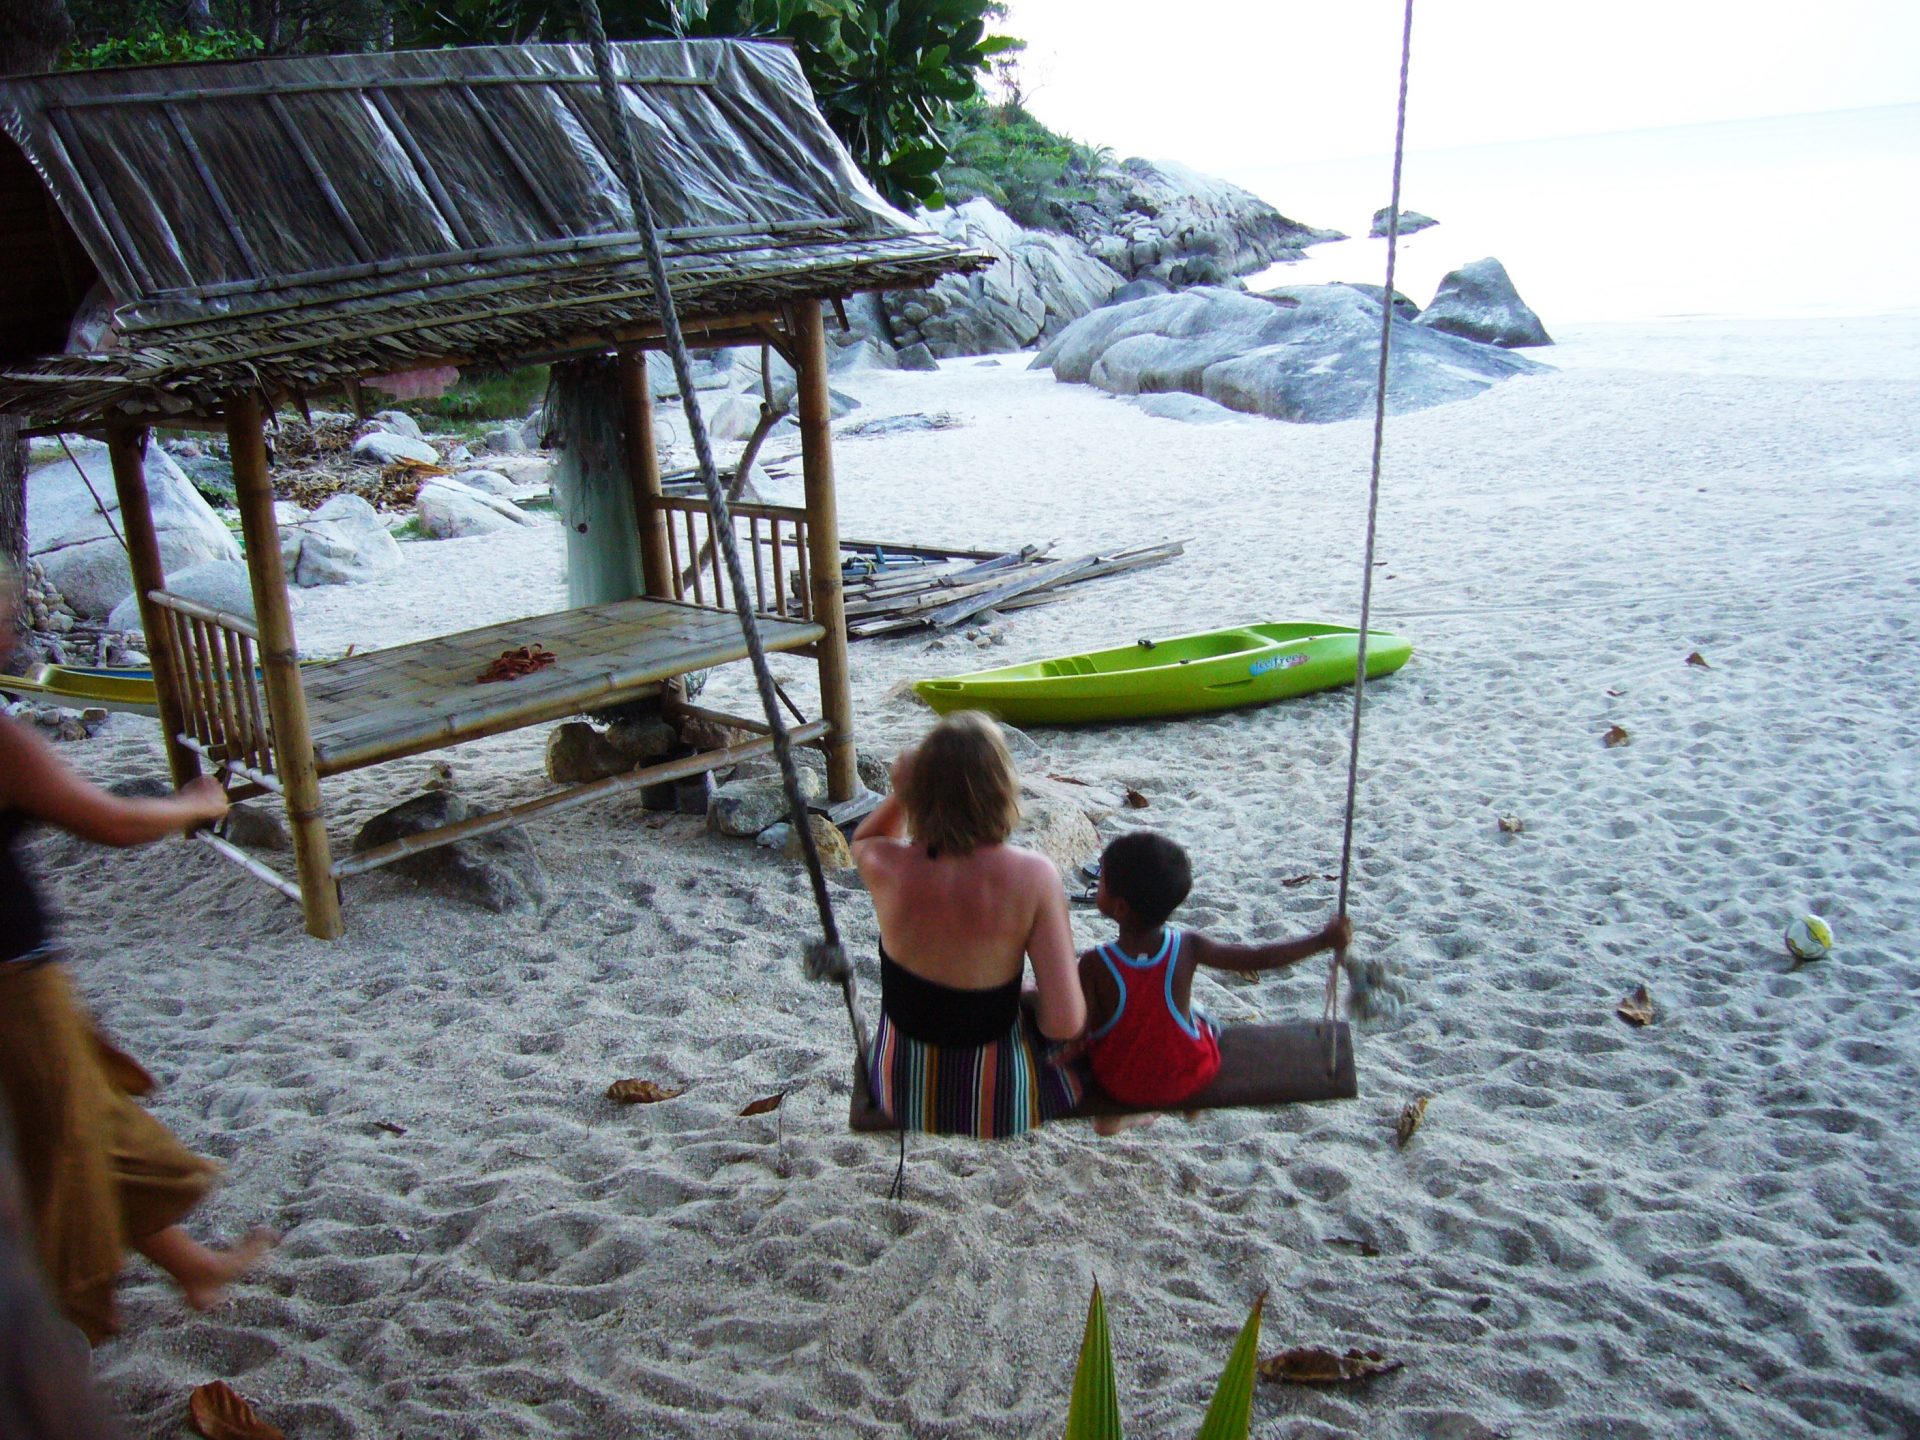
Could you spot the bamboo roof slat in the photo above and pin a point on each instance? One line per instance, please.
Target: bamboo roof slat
(369, 707)
(117, 240)
(297, 136)
(423, 169)
(328, 87)
(184, 133)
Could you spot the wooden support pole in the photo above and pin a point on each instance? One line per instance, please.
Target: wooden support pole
(643, 474)
(286, 697)
(126, 448)
(823, 548)
(658, 567)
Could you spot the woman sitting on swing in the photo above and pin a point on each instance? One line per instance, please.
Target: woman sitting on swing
(961, 912)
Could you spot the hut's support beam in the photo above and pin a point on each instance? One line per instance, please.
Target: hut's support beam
(823, 548)
(643, 478)
(286, 699)
(586, 407)
(643, 474)
(126, 448)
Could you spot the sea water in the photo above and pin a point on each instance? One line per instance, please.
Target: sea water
(1789, 216)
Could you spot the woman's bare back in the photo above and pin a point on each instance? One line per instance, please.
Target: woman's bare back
(960, 920)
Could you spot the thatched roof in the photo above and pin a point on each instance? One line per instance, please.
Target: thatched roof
(288, 224)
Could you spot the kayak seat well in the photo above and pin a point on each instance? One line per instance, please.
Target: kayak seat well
(1067, 665)
(1225, 642)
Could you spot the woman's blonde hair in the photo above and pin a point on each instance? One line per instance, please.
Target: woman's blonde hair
(961, 791)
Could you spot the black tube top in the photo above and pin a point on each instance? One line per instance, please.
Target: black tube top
(936, 1014)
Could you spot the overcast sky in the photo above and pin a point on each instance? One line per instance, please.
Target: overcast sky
(1228, 84)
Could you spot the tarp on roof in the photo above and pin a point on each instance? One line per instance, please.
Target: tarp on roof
(290, 222)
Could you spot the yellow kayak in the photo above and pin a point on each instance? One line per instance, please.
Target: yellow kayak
(78, 687)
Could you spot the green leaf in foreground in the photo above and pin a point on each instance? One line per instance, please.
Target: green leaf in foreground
(1094, 1413)
(1231, 1412)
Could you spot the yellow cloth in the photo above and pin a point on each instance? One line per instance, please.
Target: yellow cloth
(99, 1172)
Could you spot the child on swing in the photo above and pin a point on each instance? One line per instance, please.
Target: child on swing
(1147, 1046)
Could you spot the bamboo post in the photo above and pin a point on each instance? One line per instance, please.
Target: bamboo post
(823, 548)
(286, 698)
(659, 568)
(643, 474)
(126, 448)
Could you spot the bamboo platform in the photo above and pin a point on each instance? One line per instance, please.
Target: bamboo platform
(386, 704)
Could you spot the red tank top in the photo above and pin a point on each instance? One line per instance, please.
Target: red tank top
(1148, 1053)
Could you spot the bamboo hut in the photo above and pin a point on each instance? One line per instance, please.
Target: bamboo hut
(268, 231)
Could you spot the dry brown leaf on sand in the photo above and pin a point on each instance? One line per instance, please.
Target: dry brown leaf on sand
(765, 1104)
(1512, 825)
(1696, 658)
(1637, 1008)
(1317, 1365)
(1411, 1115)
(1617, 735)
(220, 1412)
(641, 1092)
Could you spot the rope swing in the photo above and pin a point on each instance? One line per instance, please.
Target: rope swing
(1376, 991)
(1274, 1063)
(826, 958)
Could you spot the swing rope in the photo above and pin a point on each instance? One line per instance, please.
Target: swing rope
(1375, 990)
(826, 958)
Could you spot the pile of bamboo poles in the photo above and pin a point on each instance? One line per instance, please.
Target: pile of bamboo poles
(911, 587)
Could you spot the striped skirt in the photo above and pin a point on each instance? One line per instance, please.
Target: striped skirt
(987, 1091)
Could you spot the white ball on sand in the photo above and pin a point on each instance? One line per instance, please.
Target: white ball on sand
(1809, 938)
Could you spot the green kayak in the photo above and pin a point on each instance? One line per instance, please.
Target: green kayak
(1181, 675)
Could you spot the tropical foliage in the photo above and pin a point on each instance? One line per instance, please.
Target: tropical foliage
(1001, 152)
(1094, 1411)
(157, 46)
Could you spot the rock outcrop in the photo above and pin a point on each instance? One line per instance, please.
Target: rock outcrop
(1307, 353)
(1411, 222)
(1039, 284)
(499, 871)
(383, 447)
(451, 512)
(78, 547)
(343, 542)
(1161, 220)
(219, 585)
(1478, 301)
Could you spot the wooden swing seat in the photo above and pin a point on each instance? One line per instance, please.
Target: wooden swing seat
(1260, 1066)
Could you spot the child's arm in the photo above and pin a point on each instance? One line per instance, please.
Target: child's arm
(37, 781)
(1225, 955)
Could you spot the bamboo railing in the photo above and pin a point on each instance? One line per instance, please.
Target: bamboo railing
(773, 552)
(223, 712)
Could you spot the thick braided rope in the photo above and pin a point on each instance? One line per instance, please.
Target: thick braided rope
(1374, 990)
(826, 959)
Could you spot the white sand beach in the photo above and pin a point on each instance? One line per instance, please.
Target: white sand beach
(1706, 1227)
